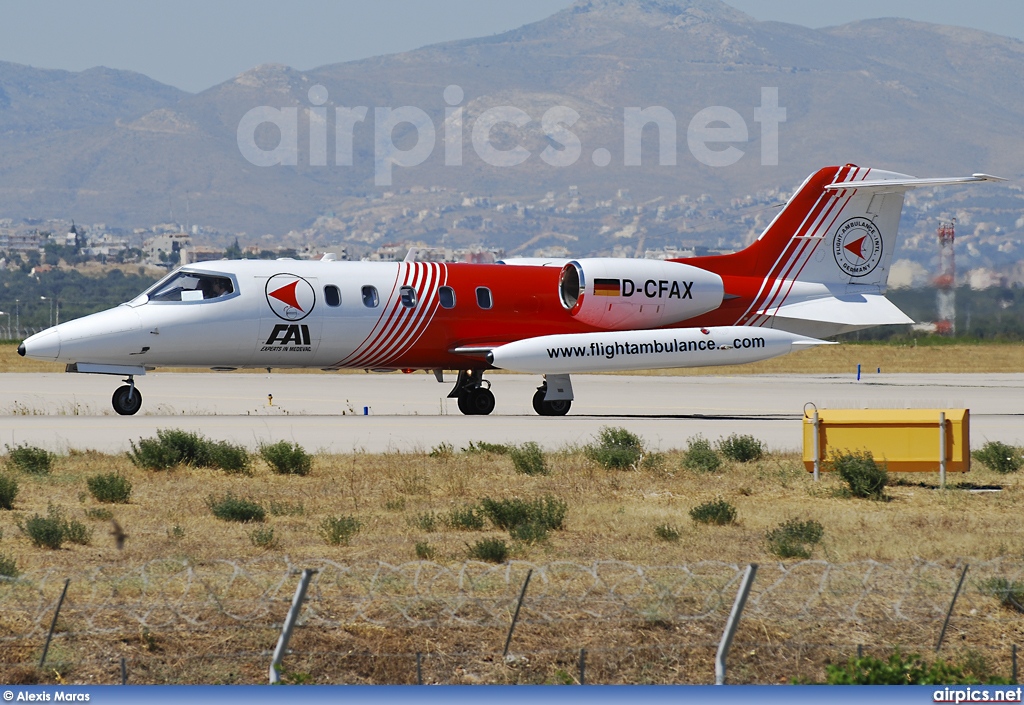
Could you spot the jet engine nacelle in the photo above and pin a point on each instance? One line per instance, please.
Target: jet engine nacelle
(629, 294)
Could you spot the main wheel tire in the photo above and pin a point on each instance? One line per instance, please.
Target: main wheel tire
(538, 402)
(126, 400)
(481, 401)
(559, 407)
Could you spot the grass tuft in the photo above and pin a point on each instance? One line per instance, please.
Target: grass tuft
(8, 566)
(1010, 593)
(485, 447)
(469, 517)
(442, 450)
(700, 456)
(741, 449)
(338, 531)
(999, 457)
(30, 459)
(424, 551)
(616, 448)
(285, 458)
(426, 521)
(110, 488)
(263, 537)
(232, 508)
(794, 538)
(8, 491)
(490, 550)
(528, 459)
(862, 474)
(548, 512)
(667, 532)
(717, 512)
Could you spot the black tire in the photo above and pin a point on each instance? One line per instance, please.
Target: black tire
(481, 401)
(464, 405)
(126, 400)
(538, 402)
(557, 408)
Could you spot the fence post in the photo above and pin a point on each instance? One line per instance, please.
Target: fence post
(124, 671)
(53, 624)
(942, 449)
(1013, 662)
(583, 664)
(734, 620)
(817, 447)
(419, 668)
(952, 604)
(289, 624)
(515, 617)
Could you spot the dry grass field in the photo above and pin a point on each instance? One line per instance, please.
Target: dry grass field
(825, 359)
(401, 500)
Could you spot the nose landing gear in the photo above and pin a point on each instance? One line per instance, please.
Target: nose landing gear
(127, 400)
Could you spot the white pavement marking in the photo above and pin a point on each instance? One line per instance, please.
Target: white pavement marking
(411, 412)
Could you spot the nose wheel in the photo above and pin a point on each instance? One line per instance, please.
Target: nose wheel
(127, 400)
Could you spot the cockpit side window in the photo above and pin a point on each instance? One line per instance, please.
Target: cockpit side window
(193, 286)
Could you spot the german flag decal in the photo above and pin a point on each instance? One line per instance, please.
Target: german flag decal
(606, 287)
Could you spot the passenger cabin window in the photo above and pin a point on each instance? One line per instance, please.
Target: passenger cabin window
(370, 299)
(190, 286)
(332, 295)
(446, 294)
(408, 295)
(483, 297)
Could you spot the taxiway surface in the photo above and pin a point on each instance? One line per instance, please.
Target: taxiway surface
(411, 412)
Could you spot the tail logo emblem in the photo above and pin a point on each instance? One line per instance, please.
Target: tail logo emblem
(857, 247)
(290, 297)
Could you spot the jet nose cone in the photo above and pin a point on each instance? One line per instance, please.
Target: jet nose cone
(42, 346)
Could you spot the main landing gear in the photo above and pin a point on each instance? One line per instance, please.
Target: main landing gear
(127, 399)
(558, 407)
(473, 392)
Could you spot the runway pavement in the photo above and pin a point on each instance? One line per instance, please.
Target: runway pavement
(411, 412)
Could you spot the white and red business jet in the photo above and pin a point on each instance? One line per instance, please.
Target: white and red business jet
(819, 269)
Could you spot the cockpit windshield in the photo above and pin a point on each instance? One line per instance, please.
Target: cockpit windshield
(190, 286)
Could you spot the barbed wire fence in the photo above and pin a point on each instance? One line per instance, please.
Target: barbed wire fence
(366, 622)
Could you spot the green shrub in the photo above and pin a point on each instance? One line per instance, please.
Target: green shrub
(490, 550)
(285, 458)
(999, 457)
(54, 529)
(468, 518)
(228, 457)
(30, 459)
(862, 474)
(528, 459)
(338, 531)
(442, 450)
(426, 521)
(8, 491)
(485, 447)
(424, 551)
(176, 447)
(8, 566)
(900, 670)
(741, 449)
(263, 537)
(110, 488)
(1009, 593)
(794, 538)
(232, 508)
(532, 532)
(667, 532)
(717, 512)
(507, 514)
(700, 456)
(616, 448)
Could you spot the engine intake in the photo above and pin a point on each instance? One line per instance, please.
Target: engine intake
(630, 294)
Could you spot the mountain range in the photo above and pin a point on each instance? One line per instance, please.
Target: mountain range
(116, 147)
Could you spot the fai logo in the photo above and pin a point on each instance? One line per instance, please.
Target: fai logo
(857, 247)
(290, 297)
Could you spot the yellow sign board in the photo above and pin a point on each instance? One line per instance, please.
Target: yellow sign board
(905, 440)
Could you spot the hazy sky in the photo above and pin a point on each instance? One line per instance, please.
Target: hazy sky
(195, 44)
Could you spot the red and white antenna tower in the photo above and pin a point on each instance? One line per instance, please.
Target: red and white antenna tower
(945, 282)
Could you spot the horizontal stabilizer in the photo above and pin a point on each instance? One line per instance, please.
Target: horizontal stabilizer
(852, 310)
(909, 183)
